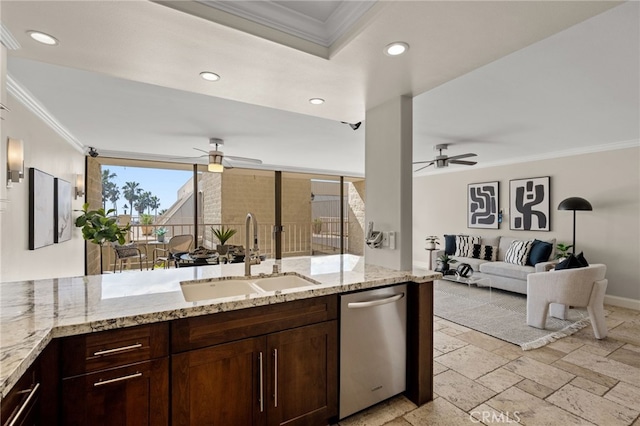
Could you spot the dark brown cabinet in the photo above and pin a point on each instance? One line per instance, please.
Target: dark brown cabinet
(287, 376)
(118, 377)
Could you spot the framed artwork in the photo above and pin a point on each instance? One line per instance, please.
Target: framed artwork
(529, 204)
(62, 211)
(482, 205)
(41, 205)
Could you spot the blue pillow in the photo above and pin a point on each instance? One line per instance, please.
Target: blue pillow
(570, 262)
(449, 244)
(540, 252)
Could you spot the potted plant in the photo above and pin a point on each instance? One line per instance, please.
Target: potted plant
(99, 227)
(160, 234)
(146, 220)
(432, 242)
(317, 226)
(562, 250)
(444, 261)
(223, 235)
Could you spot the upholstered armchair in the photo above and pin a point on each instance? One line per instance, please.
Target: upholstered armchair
(579, 287)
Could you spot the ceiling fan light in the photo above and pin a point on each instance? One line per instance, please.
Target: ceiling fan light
(215, 162)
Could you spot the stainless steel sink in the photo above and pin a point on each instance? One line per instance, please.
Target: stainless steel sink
(283, 282)
(202, 290)
(217, 288)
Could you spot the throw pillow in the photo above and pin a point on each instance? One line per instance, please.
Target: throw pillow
(570, 262)
(464, 245)
(540, 252)
(450, 244)
(582, 260)
(489, 253)
(518, 252)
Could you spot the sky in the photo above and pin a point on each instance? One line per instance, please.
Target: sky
(162, 183)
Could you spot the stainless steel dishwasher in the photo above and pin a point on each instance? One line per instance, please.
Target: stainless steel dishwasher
(373, 347)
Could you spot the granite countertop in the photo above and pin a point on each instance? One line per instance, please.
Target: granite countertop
(34, 312)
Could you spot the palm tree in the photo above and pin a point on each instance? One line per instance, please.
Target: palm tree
(131, 192)
(107, 186)
(114, 196)
(154, 203)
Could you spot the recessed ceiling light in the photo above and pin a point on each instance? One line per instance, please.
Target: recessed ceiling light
(209, 76)
(43, 38)
(316, 101)
(396, 48)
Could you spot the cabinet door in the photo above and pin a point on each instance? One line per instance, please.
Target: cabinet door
(133, 395)
(221, 385)
(303, 375)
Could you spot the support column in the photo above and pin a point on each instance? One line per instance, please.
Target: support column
(388, 200)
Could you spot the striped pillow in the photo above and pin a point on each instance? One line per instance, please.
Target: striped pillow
(489, 253)
(518, 252)
(464, 245)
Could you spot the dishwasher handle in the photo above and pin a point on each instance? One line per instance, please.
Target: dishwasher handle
(368, 304)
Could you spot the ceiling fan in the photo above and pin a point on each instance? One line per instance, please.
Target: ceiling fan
(217, 159)
(442, 161)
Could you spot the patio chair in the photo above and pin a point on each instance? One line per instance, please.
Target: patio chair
(580, 287)
(177, 245)
(128, 252)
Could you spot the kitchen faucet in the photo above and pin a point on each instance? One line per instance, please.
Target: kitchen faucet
(248, 251)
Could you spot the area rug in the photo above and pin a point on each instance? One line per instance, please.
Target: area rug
(500, 314)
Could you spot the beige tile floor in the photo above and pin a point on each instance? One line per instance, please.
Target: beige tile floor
(479, 379)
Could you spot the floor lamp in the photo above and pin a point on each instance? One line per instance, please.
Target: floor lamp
(575, 203)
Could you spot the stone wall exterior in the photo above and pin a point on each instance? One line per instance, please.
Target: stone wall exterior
(296, 211)
(94, 198)
(356, 217)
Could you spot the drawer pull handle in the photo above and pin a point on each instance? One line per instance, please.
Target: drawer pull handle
(117, 379)
(122, 349)
(261, 384)
(275, 378)
(24, 406)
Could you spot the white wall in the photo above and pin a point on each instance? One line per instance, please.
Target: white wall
(46, 151)
(388, 197)
(609, 234)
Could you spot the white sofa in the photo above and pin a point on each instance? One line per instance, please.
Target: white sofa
(503, 275)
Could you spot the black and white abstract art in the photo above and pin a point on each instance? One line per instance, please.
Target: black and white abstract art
(62, 211)
(529, 204)
(41, 218)
(483, 205)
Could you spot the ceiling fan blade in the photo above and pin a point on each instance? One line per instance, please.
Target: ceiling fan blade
(243, 159)
(201, 150)
(457, 157)
(188, 158)
(421, 162)
(423, 167)
(466, 163)
(226, 164)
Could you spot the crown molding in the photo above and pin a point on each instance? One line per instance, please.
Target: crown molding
(15, 89)
(7, 39)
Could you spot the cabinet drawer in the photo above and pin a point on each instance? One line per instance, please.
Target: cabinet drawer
(108, 349)
(199, 332)
(20, 405)
(135, 395)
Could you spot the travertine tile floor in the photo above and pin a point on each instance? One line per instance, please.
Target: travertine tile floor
(479, 379)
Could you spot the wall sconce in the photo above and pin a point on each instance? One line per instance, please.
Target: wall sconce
(15, 161)
(79, 185)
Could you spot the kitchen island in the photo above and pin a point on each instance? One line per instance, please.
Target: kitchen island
(33, 313)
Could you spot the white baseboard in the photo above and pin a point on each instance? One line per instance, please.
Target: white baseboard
(623, 302)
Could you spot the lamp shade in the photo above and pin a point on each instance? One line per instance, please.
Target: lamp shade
(574, 203)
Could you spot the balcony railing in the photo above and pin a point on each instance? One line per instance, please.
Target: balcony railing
(298, 239)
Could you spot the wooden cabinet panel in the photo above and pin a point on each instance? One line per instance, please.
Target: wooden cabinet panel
(107, 349)
(220, 385)
(132, 395)
(303, 376)
(203, 331)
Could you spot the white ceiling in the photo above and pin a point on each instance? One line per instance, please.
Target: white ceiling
(502, 79)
